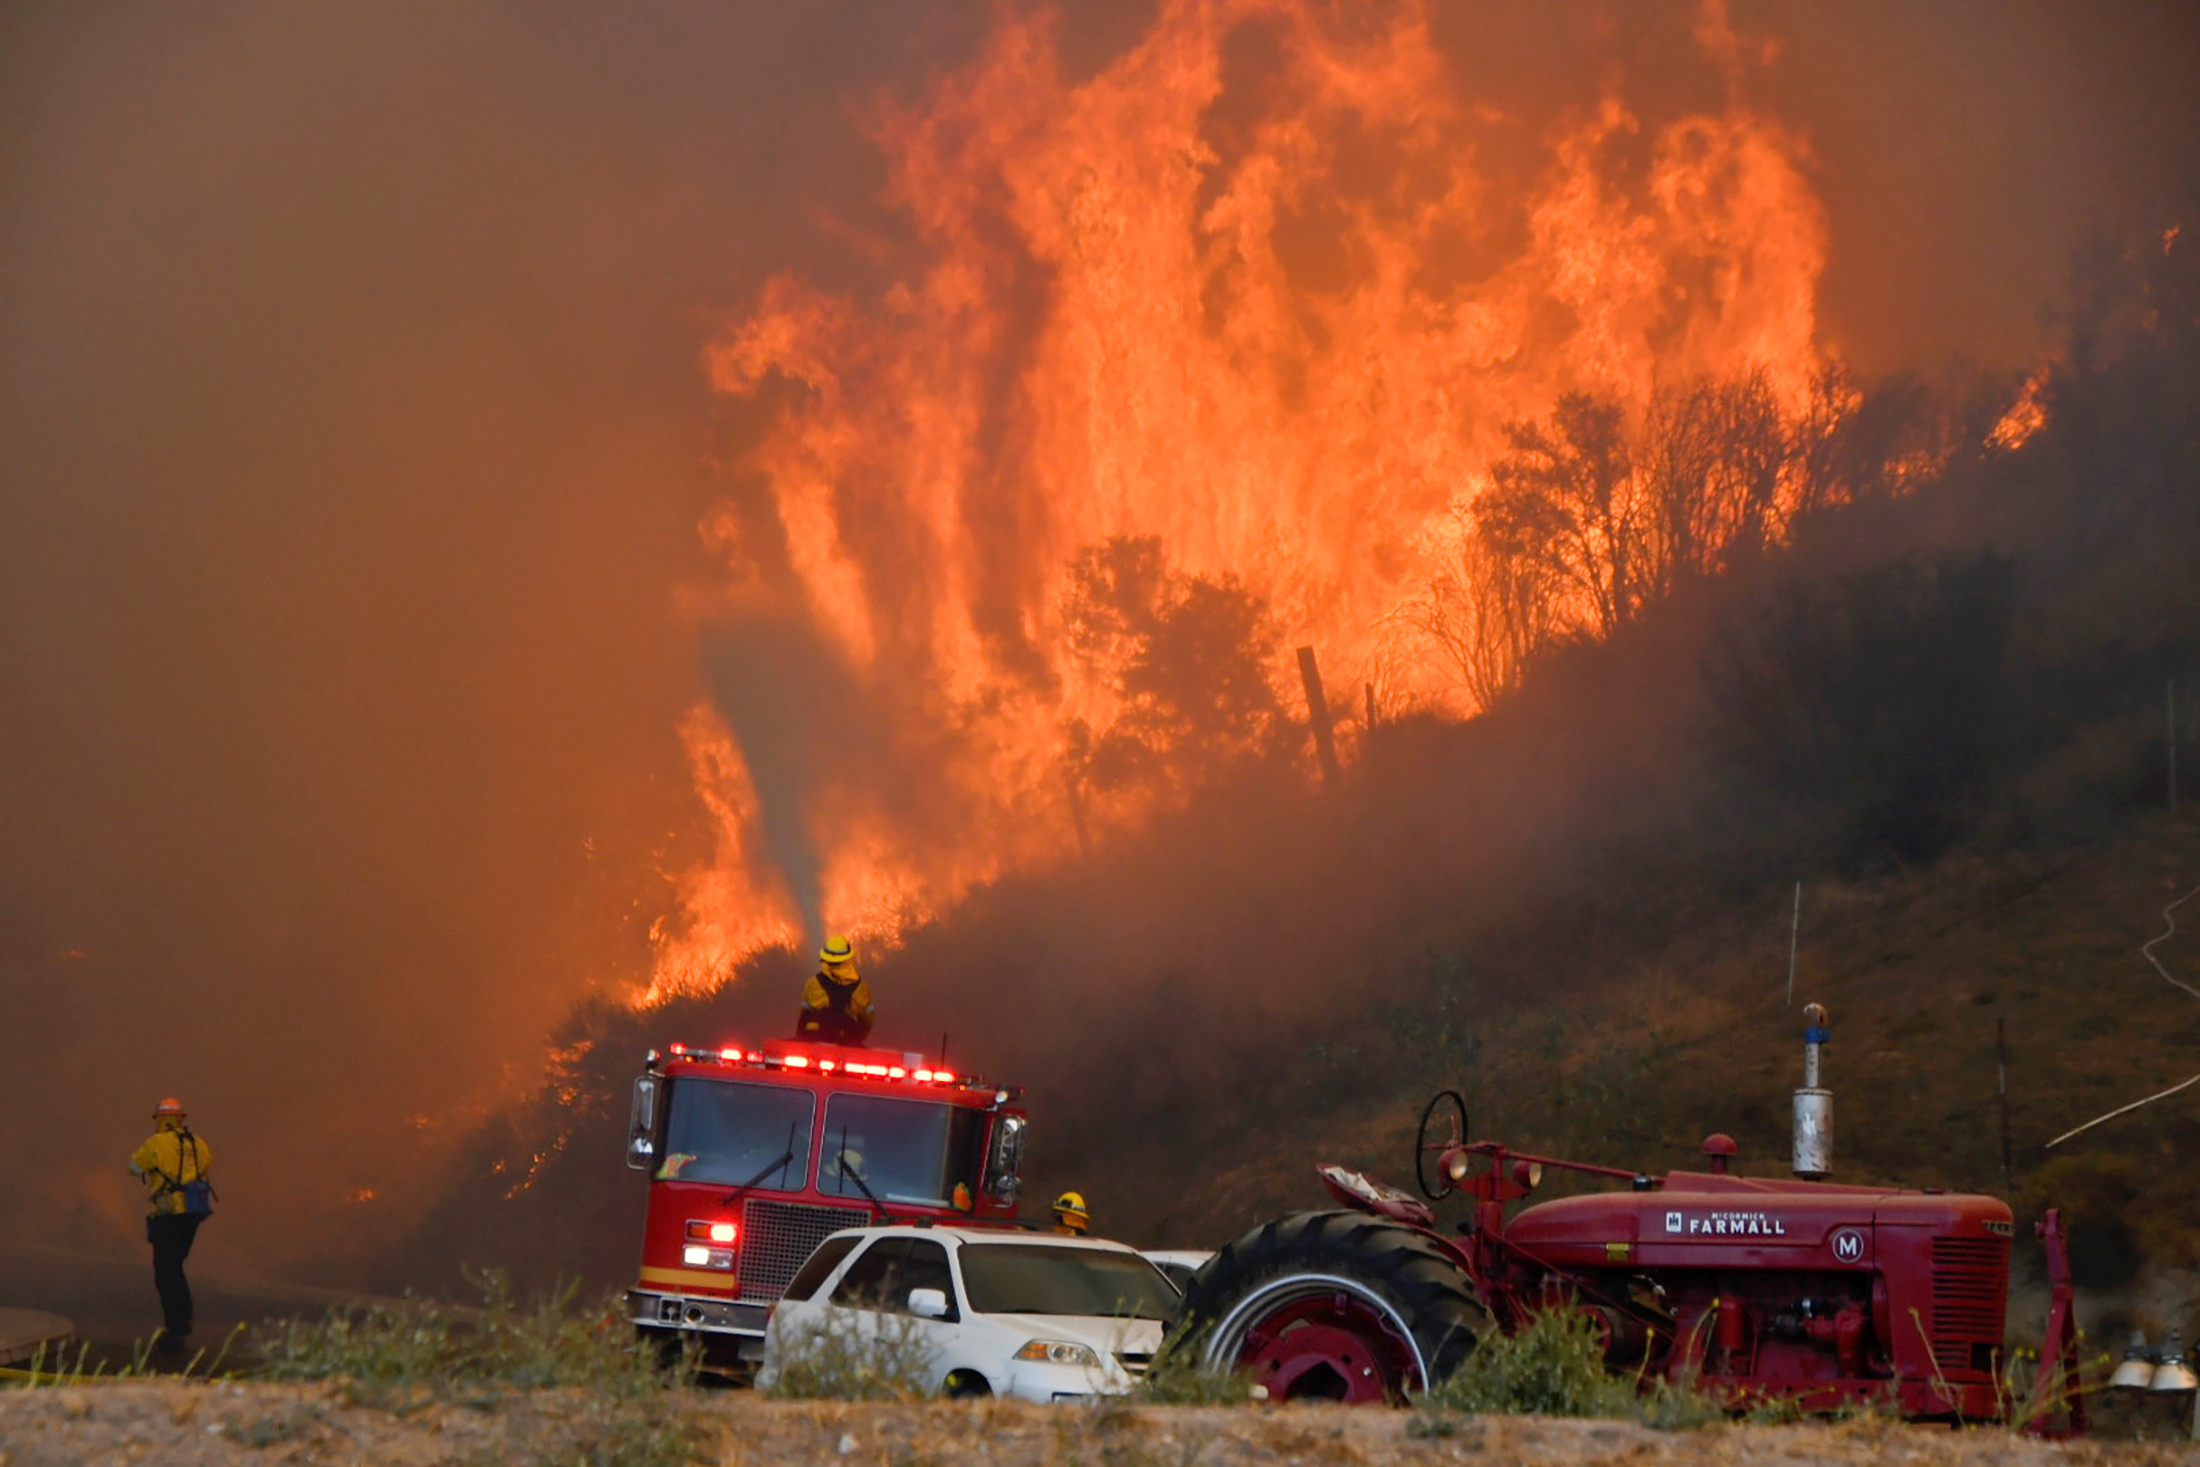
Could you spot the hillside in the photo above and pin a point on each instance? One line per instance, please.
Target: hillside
(1921, 970)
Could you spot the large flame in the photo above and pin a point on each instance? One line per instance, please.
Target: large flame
(1246, 290)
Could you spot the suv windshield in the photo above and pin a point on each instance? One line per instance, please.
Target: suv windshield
(727, 1131)
(1034, 1278)
(903, 1150)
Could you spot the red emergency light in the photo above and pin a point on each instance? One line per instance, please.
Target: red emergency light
(712, 1232)
(875, 1064)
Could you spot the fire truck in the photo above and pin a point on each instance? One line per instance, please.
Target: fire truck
(755, 1155)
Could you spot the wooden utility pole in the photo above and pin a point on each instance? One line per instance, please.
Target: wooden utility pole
(1795, 935)
(1317, 712)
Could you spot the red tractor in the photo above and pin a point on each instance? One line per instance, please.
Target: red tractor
(1749, 1288)
(755, 1155)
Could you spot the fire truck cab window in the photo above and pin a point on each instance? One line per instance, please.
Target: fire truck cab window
(902, 1150)
(728, 1132)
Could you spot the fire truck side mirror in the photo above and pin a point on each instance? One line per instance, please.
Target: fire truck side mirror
(1004, 1163)
(641, 1134)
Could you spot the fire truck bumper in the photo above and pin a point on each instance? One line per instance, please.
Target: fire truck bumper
(655, 1310)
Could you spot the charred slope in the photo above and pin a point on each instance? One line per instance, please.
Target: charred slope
(1941, 709)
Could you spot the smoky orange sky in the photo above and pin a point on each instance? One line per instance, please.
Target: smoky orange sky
(355, 431)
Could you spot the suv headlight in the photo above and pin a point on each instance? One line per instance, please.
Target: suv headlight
(1059, 1352)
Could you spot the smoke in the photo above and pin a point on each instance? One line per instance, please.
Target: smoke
(803, 720)
(355, 434)
(356, 431)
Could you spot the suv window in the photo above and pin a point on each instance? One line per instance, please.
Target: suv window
(822, 1262)
(926, 1268)
(873, 1280)
(1036, 1278)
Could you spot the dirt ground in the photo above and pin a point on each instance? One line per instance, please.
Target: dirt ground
(202, 1423)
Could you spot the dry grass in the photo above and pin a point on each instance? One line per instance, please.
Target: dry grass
(611, 1401)
(226, 1424)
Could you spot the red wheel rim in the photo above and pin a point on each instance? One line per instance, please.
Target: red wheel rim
(1328, 1346)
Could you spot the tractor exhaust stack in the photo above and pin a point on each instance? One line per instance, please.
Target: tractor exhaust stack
(1813, 1106)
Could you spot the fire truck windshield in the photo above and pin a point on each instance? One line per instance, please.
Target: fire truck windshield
(903, 1150)
(727, 1131)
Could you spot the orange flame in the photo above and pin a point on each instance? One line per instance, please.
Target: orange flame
(2025, 416)
(1278, 323)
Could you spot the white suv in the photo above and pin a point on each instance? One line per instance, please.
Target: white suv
(978, 1311)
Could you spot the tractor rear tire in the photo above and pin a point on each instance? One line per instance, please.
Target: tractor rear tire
(1336, 1306)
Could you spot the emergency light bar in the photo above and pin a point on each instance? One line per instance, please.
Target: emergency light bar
(875, 1064)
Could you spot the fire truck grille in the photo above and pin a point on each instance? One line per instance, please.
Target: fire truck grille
(777, 1236)
(1970, 1283)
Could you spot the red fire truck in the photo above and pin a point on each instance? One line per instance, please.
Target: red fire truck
(754, 1155)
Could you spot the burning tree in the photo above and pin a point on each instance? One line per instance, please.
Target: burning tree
(1188, 657)
(1596, 512)
(1564, 505)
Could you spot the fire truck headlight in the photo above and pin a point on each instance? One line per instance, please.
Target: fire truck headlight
(697, 1256)
(1456, 1168)
(1059, 1352)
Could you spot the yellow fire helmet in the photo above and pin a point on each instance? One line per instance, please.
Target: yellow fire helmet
(1070, 1207)
(837, 949)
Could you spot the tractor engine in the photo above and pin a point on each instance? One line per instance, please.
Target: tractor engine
(1825, 1295)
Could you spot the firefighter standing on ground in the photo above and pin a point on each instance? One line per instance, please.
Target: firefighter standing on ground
(1071, 1215)
(173, 1164)
(836, 1007)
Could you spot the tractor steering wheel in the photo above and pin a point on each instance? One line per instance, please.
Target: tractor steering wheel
(1423, 1147)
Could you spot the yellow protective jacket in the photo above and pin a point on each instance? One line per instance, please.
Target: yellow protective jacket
(170, 1157)
(826, 990)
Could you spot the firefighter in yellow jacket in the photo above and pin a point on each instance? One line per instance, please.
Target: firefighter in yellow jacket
(836, 1007)
(173, 1164)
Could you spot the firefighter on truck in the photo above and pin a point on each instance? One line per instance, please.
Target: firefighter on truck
(836, 1006)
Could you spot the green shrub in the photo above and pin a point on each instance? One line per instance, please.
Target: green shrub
(421, 1350)
(848, 1357)
(619, 1410)
(1179, 1376)
(1555, 1367)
